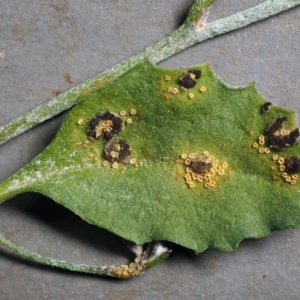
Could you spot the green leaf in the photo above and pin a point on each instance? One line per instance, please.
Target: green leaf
(148, 194)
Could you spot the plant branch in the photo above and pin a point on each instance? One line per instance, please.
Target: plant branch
(154, 254)
(191, 32)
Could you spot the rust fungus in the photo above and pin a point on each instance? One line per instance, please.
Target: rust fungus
(207, 185)
(80, 122)
(292, 164)
(202, 89)
(192, 185)
(187, 80)
(183, 155)
(277, 140)
(175, 91)
(192, 155)
(266, 106)
(200, 165)
(206, 153)
(116, 151)
(196, 73)
(105, 125)
(135, 268)
(203, 168)
(275, 125)
(281, 168)
(191, 95)
(132, 161)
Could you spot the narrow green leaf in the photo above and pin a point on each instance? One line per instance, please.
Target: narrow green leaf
(176, 135)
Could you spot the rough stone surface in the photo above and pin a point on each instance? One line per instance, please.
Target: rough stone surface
(46, 47)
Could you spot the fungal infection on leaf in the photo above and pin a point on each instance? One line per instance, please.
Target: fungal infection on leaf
(196, 73)
(266, 106)
(116, 151)
(168, 78)
(202, 168)
(80, 122)
(189, 80)
(105, 124)
(172, 189)
(202, 89)
(278, 138)
(191, 95)
(293, 164)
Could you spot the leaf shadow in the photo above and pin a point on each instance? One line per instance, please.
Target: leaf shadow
(45, 213)
(213, 260)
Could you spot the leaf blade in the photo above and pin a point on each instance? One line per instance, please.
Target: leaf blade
(150, 200)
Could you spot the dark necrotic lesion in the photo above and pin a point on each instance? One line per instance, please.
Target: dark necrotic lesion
(277, 141)
(196, 73)
(275, 125)
(116, 151)
(200, 165)
(292, 164)
(266, 106)
(105, 125)
(188, 80)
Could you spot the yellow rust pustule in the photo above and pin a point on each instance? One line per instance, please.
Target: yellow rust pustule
(285, 168)
(135, 268)
(202, 168)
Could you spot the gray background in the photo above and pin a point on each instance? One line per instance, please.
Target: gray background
(41, 41)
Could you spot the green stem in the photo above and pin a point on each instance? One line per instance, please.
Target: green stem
(159, 254)
(190, 33)
(54, 262)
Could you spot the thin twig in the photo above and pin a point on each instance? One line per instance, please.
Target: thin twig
(191, 32)
(154, 254)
